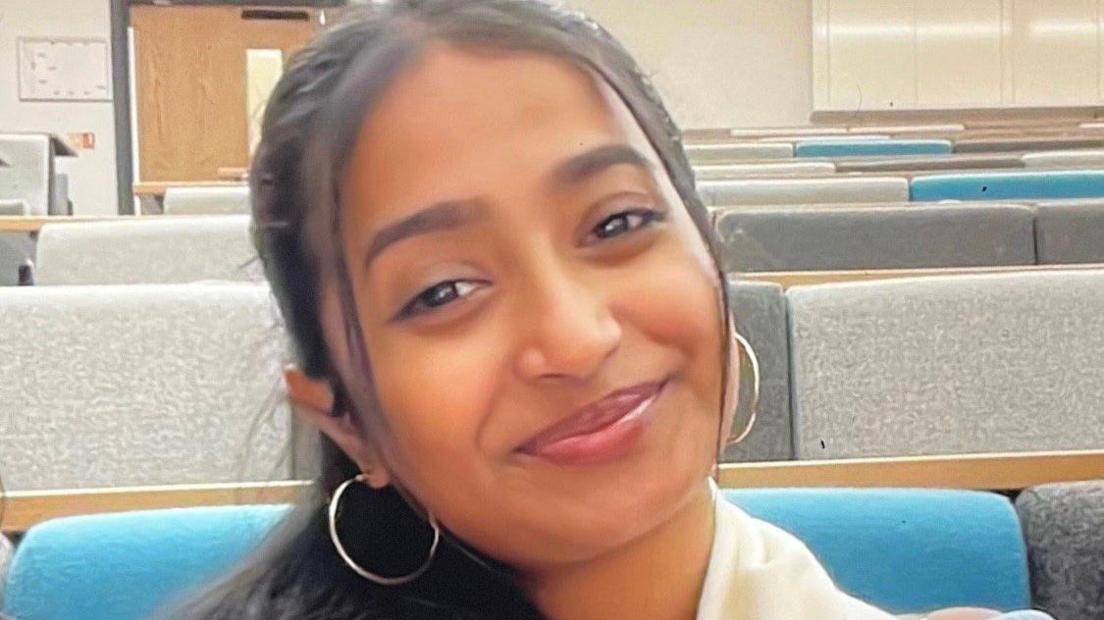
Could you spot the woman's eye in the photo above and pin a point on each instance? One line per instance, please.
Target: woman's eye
(438, 295)
(626, 221)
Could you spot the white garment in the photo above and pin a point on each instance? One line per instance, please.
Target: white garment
(759, 572)
(6, 553)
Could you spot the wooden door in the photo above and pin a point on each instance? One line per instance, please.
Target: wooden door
(190, 77)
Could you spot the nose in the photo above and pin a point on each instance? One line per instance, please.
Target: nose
(568, 326)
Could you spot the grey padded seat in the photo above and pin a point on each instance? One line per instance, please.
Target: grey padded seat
(140, 385)
(1064, 159)
(16, 249)
(931, 162)
(1026, 143)
(1064, 528)
(737, 152)
(759, 312)
(762, 169)
(1070, 231)
(29, 172)
(147, 250)
(766, 132)
(798, 191)
(212, 200)
(900, 236)
(948, 365)
(13, 207)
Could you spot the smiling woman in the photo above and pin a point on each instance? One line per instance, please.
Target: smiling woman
(484, 236)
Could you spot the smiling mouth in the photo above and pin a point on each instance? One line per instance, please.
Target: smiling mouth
(602, 431)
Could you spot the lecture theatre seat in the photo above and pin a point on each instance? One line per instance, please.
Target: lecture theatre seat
(737, 152)
(982, 161)
(894, 236)
(1064, 527)
(1070, 231)
(759, 169)
(818, 190)
(870, 148)
(948, 365)
(1019, 185)
(213, 200)
(909, 551)
(147, 250)
(1027, 143)
(111, 386)
(1059, 159)
(759, 314)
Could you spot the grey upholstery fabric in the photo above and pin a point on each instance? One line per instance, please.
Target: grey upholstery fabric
(28, 175)
(766, 169)
(139, 385)
(948, 365)
(213, 200)
(737, 151)
(13, 207)
(796, 191)
(759, 312)
(883, 237)
(1026, 143)
(931, 162)
(15, 249)
(150, 250)
(1063, 159)
(1070, 232)
(1064, 528)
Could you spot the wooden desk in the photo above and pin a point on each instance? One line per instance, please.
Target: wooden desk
(804, 278)
(32, 223)
(968, 471)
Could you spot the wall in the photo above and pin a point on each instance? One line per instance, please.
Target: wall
(720, 63)
(92, 173)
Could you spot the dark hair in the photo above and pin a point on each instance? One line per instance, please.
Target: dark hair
(310, 127)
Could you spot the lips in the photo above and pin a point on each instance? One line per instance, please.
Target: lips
(601, 431)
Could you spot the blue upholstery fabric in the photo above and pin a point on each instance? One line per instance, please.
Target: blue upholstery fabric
(861, 148)
(906, 551)
(124, 566)
(1041, 185)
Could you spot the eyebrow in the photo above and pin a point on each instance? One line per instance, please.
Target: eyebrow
(592, 162)
(445, 215)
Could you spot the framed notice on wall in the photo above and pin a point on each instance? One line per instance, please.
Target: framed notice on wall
(64, 69)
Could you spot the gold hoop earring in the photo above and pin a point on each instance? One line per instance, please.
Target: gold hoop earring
(753, 360)
(357, 568)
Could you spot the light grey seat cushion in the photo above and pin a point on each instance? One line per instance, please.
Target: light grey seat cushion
(822, 190)
(1064, 159)
(139, 385)
(29, 173)
(1026, 143)
(1070, 232)
(759, 311)
(948, 365)
(883, 237)
(737, 152)
(762, 169)
(16, 249)
(212, 200)
(1064, 528)
(150, 250)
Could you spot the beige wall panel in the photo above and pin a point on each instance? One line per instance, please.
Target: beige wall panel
(872, 54)
(1055, 56)
(958, 53)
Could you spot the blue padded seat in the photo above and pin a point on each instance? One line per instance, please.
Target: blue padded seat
(870, 148)
(908, 551)
(1040, 185)
(124, 566)
(901, 549)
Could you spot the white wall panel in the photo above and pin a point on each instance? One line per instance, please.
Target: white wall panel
(872, 54)
(1054, 51)
(958, 52)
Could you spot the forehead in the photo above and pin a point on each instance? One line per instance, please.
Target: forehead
(461, 118)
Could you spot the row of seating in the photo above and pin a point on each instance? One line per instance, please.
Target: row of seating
(909, 235)
(1054, 126)
(917, 366)
(926, 187)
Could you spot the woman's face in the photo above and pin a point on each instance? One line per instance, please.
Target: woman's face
(540, 314)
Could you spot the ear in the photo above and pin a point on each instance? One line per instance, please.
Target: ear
(313, 402)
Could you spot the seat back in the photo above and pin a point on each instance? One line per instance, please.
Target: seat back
(869, 148)
(1070, 232)
(907, 551)
(797, 191)
(213, 200)
(125, 566)
(901, 236)
(27, 177)
(111, 379)
(1025, 185)
(949, 364)
(147, 250)
(1026, 143)
(1059, 159)
(761, 169)
(735, 152)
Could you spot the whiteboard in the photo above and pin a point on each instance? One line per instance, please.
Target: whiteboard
(64, 69)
